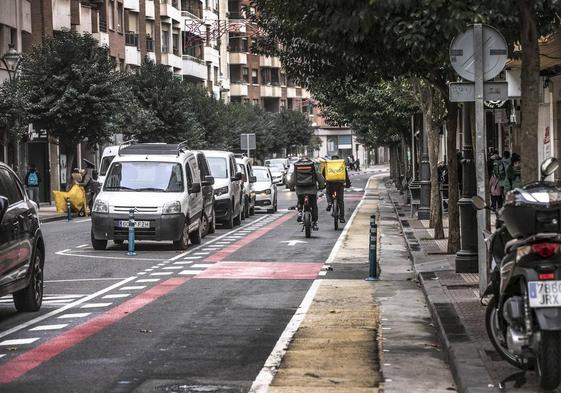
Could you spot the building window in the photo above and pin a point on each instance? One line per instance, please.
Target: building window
(111, 15)
(165, 41)
(175, 38)
(245, 75)
(254, 77)
(216, 79)
(282, 79)
(120, 17)
(282, 105)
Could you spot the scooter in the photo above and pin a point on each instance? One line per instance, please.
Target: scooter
(523, 316)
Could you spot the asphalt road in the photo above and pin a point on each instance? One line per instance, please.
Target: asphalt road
(201, 320)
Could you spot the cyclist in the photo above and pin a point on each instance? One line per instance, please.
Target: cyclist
(338, 187)
(307, 181)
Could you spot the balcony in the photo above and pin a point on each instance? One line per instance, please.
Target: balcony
(192, 9)
(102, 37)
(168, 9)
(102, 25)
(238, 89)
(149, 9)
(291, 92)
(172, 60)
(195, 67)
(132, 5)
(270, 91)
(238, 58)
(265, 61)
(131, 39)
(132, 56)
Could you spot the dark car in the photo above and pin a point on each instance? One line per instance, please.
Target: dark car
(22, 251)
(208, 192)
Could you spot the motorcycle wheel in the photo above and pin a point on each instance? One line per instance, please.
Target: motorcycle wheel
(497, 337)
(548, 361)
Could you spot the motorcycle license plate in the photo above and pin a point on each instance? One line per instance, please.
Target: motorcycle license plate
(544, 293)
(137, 224)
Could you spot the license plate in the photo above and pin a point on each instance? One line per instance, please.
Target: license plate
(544, 293)
(137, 224)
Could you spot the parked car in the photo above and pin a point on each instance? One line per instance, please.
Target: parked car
(22, 249)
(277, 161)
(244, 165)
(162, 184)
(265, 190)
(277, 173)
(208, 192)
(289, 178)
(228, 195)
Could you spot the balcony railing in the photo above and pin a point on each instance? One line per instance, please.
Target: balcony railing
(131, 39)
(102, 25)
(193, 58)
(174, 3)
(150, 44)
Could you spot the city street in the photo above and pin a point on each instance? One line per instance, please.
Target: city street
(207, 317)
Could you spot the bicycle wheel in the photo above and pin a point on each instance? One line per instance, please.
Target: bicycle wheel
(335, 215)
(308, 224)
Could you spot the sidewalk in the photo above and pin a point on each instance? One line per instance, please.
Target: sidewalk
(364, 337)
(48, 213)
(455, 306)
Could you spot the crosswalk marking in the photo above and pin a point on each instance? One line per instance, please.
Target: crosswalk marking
(132, 288)
(148, 280)
(116, 296)
(75, 315)
(161, 274)
(190, 272)
(19, 341)
(202, 265)
(95, 305)
(48, 327)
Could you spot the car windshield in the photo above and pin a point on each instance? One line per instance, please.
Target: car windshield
(275, 170)
(261, 174)
(218, 167)
(276, 166)
(145, 176)
(105, 162)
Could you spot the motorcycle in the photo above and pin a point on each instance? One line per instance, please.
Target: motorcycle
(523, 315)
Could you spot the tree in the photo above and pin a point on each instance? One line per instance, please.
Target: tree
(71, 90)
(13, 116)
(166, 102)
(290, 129)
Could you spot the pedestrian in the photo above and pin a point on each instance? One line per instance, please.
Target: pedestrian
(32, 181)
(513, 178)
(94, 188)
(76, 177)
(357, 164)
(495, 184)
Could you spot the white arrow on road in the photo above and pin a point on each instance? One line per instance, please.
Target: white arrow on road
(292, 243)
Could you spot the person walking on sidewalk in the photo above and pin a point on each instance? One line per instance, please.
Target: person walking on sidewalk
(495, 183)
(32, 181)
(336, 187)
(513, 178)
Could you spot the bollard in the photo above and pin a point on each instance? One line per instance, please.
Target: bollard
(372, 252)
(68, 209)
(131, 251)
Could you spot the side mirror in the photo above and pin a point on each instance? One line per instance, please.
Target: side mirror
(195, 188)
(4, 203)
(548, 167)
(478, 202)
(253, 179)
(208, 181)
(237, 176)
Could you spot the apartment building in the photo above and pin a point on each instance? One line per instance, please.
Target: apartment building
(255, 79)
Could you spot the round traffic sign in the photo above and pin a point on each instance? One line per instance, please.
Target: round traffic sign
(495, 53)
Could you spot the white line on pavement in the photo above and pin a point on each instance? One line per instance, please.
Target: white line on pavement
(202, 265)
(132, 288)
(172, 267)
(190, 272)
(148, 280)
(95, 305)
(87, 279)
(161, 274)
(116, 296)
(82, 245)
(48, 327)
(75, 315)
(267, 373)
(19, 341)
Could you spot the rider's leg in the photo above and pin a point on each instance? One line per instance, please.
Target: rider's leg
(341, 202)
(314, 204)
(300, 204)
(329, 196)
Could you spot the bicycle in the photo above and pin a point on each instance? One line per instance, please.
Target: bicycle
(307, 217)
(335, 210)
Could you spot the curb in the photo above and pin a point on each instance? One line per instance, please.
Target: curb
(52, 218)
(468, 369)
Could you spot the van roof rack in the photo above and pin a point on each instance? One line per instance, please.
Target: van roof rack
(156, 148)
(125, 144)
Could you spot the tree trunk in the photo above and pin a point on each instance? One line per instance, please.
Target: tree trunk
(453, 186)
(70, 154)
(436, 203)
(530, 77)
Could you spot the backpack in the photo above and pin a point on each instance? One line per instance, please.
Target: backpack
(502, 171)
(335, 171)
(33, 179)
(305, 174)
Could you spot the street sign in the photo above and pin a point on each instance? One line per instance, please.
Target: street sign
(247, 141)
(495, 53)
(465, 91)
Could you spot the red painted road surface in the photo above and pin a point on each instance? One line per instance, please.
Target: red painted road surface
(263, 270)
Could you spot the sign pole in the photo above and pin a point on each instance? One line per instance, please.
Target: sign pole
(247, 138)
(480, 151)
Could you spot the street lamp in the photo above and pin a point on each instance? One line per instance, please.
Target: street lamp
(11, 60)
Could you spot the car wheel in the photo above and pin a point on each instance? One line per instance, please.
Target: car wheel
(205, 223)
(197, 235)
(183, 242)
(246, 209)
(98, 244)
(30, 298)
(229, 223)
(212, 224)
(238, 218)
(275, 208)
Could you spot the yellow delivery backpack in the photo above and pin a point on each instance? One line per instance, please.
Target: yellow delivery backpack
(77, 197)
(335, 170)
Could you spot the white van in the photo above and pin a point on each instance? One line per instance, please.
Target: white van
(106, 158)
(244, 165)
(162, 184)
(228, 194)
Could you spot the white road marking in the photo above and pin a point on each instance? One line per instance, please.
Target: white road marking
(183, 263)
(292, 243)
(172, 267)
(322, 273)
(116, 296)
(19, 341)
(64, 308)
(202, 253)
(132, 288)
(81, 221)
(2, 355)
(148, 270)
(148, 280)
(161, 273)
(65, 250)
(48, 327)
(87, 279)
(65, 253)
(192, 258)
(82, 246)
(75, 315)
(190, 272)
(202, 265)
(95, 305)
(267, 373)
(140, 273)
